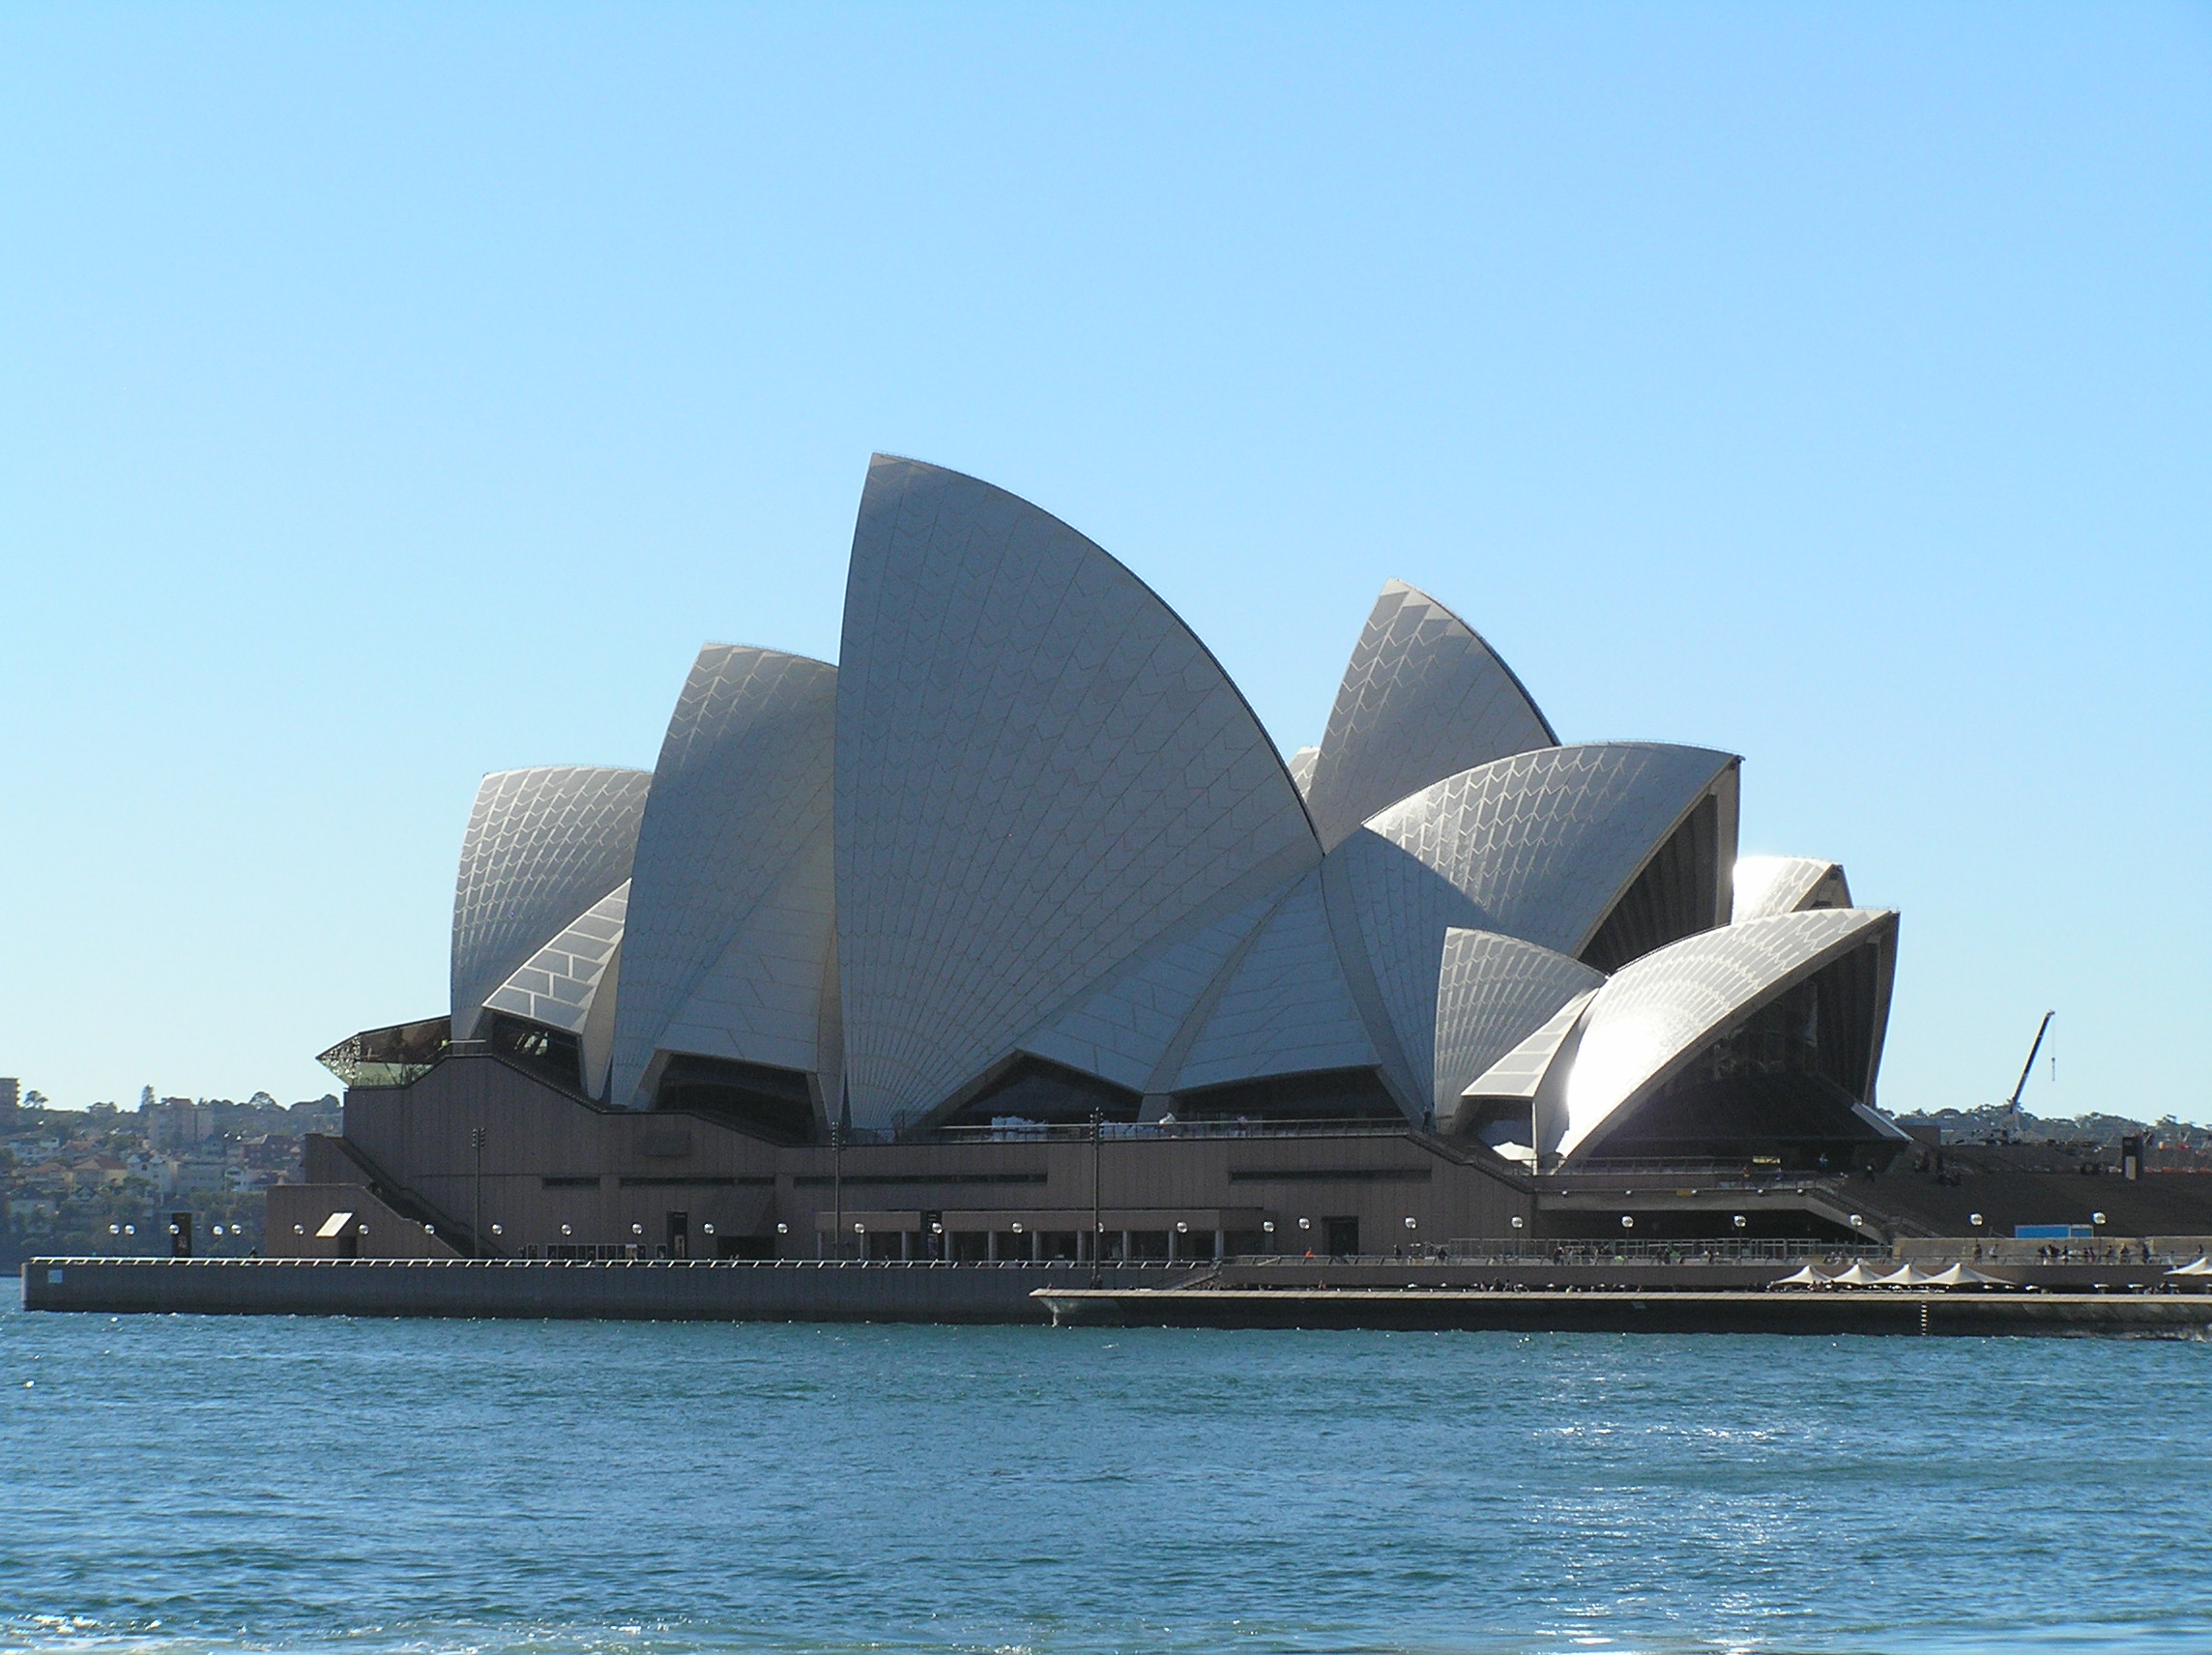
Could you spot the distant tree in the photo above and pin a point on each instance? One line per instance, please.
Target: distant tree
(34, 1099)
(145, 1098)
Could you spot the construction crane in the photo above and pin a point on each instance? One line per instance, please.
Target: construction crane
(2012, 1103)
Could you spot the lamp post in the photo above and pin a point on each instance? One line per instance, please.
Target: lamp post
(1097, 1199)
(837, 1184)
(476, 1223)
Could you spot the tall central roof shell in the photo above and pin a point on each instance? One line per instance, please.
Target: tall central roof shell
(1040, 772)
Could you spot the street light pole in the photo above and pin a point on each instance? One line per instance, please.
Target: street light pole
(476, 1225)
(837, 1183)
(1098, 1208)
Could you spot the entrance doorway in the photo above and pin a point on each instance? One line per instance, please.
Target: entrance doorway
(679, 1236)
(1343, 1236)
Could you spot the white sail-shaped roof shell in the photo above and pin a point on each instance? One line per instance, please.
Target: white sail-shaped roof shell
(542, 846)
(732, 909)
(1423, 698)
(1539, 846)
(1767, 886)
(1283, 1008)
(1656, 1014)
(1040, 773)
(1134, 1027)
(1493, 991)
(569, 983)
(1536, 1071)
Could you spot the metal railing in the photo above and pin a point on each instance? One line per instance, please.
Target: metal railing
(1119, 1131)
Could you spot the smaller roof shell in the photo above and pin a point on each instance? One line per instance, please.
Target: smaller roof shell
(1657, 1013)
(1423, 697)
(542, 846)
(1492, 992)
(1768, 886)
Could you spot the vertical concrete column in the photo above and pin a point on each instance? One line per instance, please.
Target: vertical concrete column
(1220, 1245)
(1128, 1245)
(905, 1246)
(991, 1246)
(1036, 1245)
(1171, 1243)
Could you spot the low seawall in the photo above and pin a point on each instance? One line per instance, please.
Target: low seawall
(646, 1289)
(1613, 1299)
(1877, 1309)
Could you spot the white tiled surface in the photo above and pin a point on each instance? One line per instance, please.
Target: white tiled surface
(541, 847)
(1127, 1029)
(1768, 886)
(1659, 1010)
(1423, 698)
(1040, 772)
(1492, 992)
(556, 984)
(732, 907)
(1286, 1007)
(1538, 845)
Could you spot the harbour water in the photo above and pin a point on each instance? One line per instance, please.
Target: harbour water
(385, 1488)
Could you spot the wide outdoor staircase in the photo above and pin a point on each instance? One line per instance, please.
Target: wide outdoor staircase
(335, 1160)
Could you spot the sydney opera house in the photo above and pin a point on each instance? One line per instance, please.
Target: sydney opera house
(1012, 933)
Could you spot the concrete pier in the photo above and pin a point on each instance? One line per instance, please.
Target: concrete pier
(1877, 1310)
(1613, 1298)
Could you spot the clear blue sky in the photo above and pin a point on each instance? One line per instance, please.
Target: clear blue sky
(391, 395)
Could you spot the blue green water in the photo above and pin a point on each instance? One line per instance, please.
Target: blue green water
(180, 1483)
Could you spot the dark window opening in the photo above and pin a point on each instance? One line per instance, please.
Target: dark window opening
(745, 1246)
(775, 1104)
(552, 1053)
(1499, 1122)
(1321, 1095)
(1343, 1236)
(1050, 1094)
(1676, 896)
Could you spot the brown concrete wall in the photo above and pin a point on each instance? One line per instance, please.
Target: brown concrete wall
(647, 1165)
(296, 1211)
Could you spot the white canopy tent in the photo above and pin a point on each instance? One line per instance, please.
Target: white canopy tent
(1857, 1276)
(1962, 1276)
(1905, 1275)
